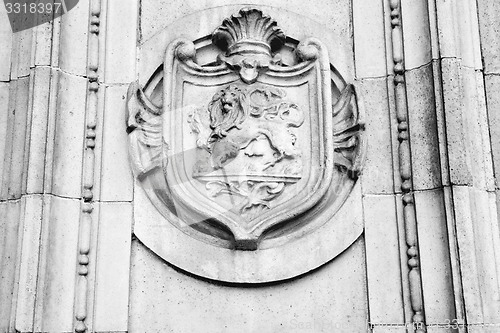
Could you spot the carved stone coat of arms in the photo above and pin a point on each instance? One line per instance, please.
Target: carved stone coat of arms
(251, 150)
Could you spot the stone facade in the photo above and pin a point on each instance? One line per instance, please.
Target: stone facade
(361, 140)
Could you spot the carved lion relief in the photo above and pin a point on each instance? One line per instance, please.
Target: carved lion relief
(245, 155)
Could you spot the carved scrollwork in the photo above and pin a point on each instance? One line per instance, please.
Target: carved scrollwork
(347, 133)
(144, 125)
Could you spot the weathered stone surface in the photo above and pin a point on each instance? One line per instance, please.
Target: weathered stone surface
(10, 213)
(469, 150)
(38, 130)
(441, 123)
(489, 15)
(21, 54)
(28, 269)
(56, 278)
(4, 134)
(20, 119)
(457, 151)
(120, 57)
(477, 235)
(8, 127)
(116, 177)
(424, 142)
(330, 297)
(454, 253)
(416, 33)
(42, 44)
(492, 85)
(73, 34)
(68, 139)
(369, 39)
(377, 175)
(459, 32)
(434, 257)
(383, 260)
(6, 42)
(113, 267)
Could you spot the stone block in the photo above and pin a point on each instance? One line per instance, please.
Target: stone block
(42, 44)
(454, 254)
(21, 53)
(458, 32)
(489, 16)
(478, 239)
(6, 42)
(113, 267)
(468, 34)
(10, 213)
(120, 57)
(437, 285)
(68, 135)
(8, 129)
(383, 262)
(56, 278)
(20, 124)
(369, 39)
(460, 172)
(441, 123)
(116, 174)
(476, 128)
(469, 149)
(492, 85)
(38, 130)
(28, 269)
(4, 133)
(332, 297)
(422, 121)
(416, 33)
(73, 39)
(377, 174)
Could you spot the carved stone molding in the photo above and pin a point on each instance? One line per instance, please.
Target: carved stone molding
(87, 207)
(247, 156)
(405, 171)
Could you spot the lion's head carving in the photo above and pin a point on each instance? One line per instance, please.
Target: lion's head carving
(228, 109)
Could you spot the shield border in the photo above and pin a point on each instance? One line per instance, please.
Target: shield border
(181, 52)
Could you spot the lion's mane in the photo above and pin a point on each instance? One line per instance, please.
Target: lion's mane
(220, 122)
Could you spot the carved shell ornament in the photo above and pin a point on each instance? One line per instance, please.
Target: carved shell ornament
(250, 158)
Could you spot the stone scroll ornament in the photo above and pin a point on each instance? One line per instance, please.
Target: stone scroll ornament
(247, 155)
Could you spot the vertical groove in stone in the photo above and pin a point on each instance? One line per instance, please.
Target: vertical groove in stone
(409, 214)
(451, 225)
(86, 221)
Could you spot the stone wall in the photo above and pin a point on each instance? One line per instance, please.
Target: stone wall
(427, 74)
